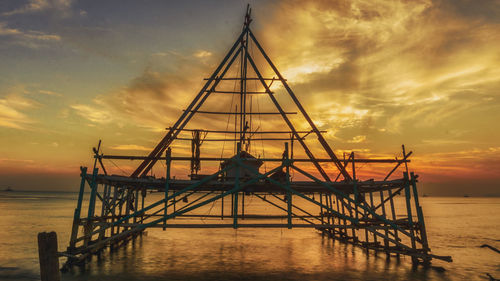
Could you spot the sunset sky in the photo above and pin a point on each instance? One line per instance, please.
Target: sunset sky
(374, 74)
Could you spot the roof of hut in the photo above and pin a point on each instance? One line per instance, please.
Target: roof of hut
(246, 157)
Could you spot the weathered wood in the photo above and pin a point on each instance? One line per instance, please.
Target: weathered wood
(218, 159)
(239, 113)
(48, 257)
(76, 216)
(410, 217)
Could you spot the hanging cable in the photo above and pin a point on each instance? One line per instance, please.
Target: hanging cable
(258, 110)
(124, 173)
(228, 119)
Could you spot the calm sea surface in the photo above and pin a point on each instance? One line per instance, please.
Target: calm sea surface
(456, 227)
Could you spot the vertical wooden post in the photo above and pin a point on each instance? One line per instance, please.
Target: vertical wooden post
(108, 211)
(354, 181)
(288, 194)
(356, 199)
(420, 214)
(232, 204)
(89, 227)
(104, 200)
(48, 257)
(404, 157)
(113, 209)
(120, 209)
(243, 205)
(128, 198)
(136, 203)
(350, 209)
(374, 236)
(168, 158)
(175, 201)
(365, 215)
(236, 185)
(393, 215)
(144, 192)
(104, 209)
(331, 218)
(410, 217)
(76, 217)
(386, 242)
(339, 221)
(327, 213)
(321, 212)
(222, 206)
(80, 193)
(93, 191)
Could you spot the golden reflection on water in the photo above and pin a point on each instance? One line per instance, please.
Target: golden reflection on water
(456, 226)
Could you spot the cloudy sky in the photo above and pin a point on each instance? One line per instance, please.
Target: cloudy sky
(374, 74)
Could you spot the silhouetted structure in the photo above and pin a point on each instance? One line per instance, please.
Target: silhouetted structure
(338, 203)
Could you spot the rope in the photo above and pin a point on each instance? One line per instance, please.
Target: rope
(258, 115)
(124, 173)
(229, 117)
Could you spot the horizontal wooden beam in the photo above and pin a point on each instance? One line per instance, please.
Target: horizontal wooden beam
(247, 132)
(181, 158)
(233, 140)
(246, 225)
(204, 185)
(244, 78)
(237, 93)
(239, 113)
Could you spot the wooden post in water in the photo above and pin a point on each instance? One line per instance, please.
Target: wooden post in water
(47, 254)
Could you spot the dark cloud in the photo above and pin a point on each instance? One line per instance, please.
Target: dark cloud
(483, 10)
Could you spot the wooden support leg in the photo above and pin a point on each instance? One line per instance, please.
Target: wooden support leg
(76, 217)
(332, 231)
(243, 205)
(89, 227)
(47, 254)
(104, 205)
(113, 209)
(354, 237)
(371, 205)
(410, 217)
(232, 204)
(344, 221)
(339, 220)
(128, 200)
(222, 207)
(386, 242)
(168, 157)
(321, 211)
(136, 203)
(367, 240)
(393, 214)
(420, 214)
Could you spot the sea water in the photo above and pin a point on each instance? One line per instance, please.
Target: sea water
(455, 226)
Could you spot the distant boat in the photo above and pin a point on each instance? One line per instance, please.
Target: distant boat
(465, 195)
(9, 189)
(425, 195)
